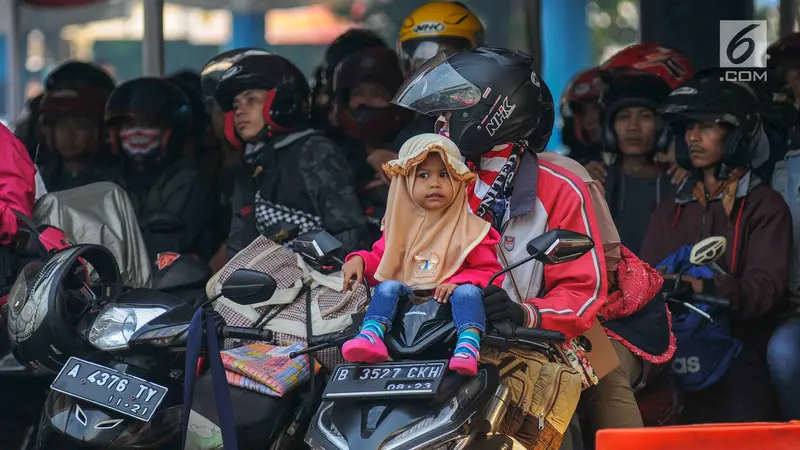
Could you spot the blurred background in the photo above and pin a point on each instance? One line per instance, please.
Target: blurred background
(564, 34)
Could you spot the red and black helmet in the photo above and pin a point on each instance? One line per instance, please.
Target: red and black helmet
(584, 87)
(287, 105)
(672, 66)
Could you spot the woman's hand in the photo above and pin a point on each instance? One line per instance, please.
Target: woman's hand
(444, 291)
(597, 170)
(354, 268)
(376, 159)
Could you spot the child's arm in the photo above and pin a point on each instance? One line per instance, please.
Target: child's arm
(481, 263)
(371, 259)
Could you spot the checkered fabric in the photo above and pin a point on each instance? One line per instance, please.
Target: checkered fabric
(281, 264)
(269, 214)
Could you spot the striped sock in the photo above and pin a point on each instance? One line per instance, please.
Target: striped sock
(469, 344)
(371, 330)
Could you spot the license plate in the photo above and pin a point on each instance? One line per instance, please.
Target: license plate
(109, 388)
(390, 379)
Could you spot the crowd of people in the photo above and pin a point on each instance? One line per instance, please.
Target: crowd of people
(660, 157)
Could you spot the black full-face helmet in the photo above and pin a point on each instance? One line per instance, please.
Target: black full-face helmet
(492, 95)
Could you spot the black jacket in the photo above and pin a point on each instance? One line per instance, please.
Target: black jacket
(301, 179)
(175, 209)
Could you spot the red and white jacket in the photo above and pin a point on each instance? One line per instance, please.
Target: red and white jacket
(547, 196)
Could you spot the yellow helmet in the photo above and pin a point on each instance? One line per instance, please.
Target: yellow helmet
(437, 27)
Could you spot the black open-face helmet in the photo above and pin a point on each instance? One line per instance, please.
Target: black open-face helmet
(707, 97)
(160, 104)
(216, 66)
(493, 95)
(287, 105)
(632, 88)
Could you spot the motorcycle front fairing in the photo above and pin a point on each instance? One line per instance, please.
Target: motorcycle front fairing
(421, 331)
(393, 423)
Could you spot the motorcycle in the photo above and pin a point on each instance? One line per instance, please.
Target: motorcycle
(260, 419)
(129, 393)
(414, 402)
(140, 340)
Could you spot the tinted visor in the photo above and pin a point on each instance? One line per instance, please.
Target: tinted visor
(435, 87)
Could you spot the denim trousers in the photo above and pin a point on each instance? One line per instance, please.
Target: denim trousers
(466, 303)
(783, 360)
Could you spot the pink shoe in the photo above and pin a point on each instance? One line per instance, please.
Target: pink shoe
(464, 364)
(359, 349)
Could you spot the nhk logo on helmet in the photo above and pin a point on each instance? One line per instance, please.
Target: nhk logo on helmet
(743, 50)
(500, 116)
(428, 27)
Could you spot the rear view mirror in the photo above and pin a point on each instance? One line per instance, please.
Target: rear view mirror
(559, 246)
(317, 247)
(247, 287)
(708, 250)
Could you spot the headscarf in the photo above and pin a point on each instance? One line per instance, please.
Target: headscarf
(425, 248)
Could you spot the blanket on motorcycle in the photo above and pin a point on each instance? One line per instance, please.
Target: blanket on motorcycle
(102, 214)
(331, 309)
(267, 369)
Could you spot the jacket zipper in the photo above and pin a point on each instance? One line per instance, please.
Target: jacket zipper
(551, 396)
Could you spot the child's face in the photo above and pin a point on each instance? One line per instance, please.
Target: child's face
(433, 188)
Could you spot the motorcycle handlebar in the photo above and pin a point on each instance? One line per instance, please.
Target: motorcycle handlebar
(508, 330)
(249, 334)
(711, 300)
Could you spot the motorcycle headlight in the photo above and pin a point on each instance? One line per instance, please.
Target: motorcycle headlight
(430, 423)
(115, 325)
(324, 425)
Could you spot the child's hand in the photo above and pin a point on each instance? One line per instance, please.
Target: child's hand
(351, 269)
(444, 291)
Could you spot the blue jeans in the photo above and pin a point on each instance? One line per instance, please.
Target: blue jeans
(783, 359)
(466, 303)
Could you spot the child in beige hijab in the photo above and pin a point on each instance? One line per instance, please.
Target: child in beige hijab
(432, 245)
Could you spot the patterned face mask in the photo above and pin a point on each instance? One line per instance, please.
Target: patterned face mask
(138, 142)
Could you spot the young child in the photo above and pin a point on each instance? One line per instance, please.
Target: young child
(432, 246)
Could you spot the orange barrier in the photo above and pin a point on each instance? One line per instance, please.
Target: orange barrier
(742, 436)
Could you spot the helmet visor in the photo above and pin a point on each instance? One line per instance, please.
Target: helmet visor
(435, 87)
(415, 52)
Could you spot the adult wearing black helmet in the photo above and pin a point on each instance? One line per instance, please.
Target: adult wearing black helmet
(348, 43)
(633, 131)
(363, 85)
(490, 101)
(301, 177)
(720, 130)
(149, 122)
(71, 123)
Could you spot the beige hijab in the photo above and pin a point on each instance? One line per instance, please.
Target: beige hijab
(425, 248)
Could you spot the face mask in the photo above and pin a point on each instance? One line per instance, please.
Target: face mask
(139, 142)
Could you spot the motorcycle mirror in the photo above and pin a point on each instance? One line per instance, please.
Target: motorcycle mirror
(708, 250)
(317, 247)
(247, 287)
(559, 246)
